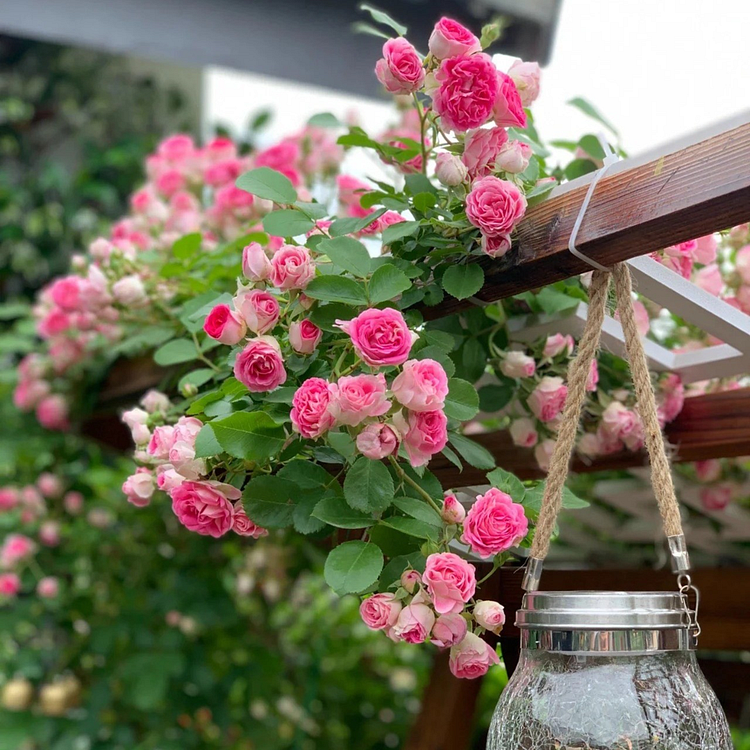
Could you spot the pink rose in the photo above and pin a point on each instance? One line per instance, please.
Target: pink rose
(548, 398)
(496, 247)
(450, 581)
(129, 291)
(421, 386)
(593, 376)
(10, 584)
(139, 487)
(292, 267)
(448, 630)
(176, 148)
(243, 525)
(516, 364)
(73, 502)
(52, 413)
(259, 309)
(48, 587)
(514, 157)
(156, 402)
(65, 293)
(620, 423)
(449, 169)
(742, 263)
(557, 344)
(256, 265)
(708, 470)
(452, 511)
(481, 148)
(135, 416)
(168, 479)
(494, 524)
(400, 69)
(377, 441)
(526, 76)
(8, 498)
(590, 445)
(304, 336)
(355, 398)
(449, 39)
(717, 497)
(380, 337)
(490, 616)
(425, 433)
(16, 548)
(709, 278)
(225, 325)
(49, 485)
(495, 206)
(523, 432)
(508, 108)
(310, 415)
(414, 623)
(161, 442)
(472, 658)
(28, 393)
(205, 507)
(380, 611)
(469, 86)
(705, 249)
(410, 579)
(351, 191)
(259, 365)
(49, 533)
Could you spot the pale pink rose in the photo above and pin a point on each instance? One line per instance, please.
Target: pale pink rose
(156, 402)
(543, 453)
(481, 148)
(523, 432)
(681, 264)
(495, 206)
(414, 623)
(310, 415)
(705, 249)
(494, 524)
(73, 502)
(377, 441)
(292, 267)
(448, 630)
(490, 616)
(709, 278)
(49, 533)
(380, 337)
(225, 325)
(526, 76)
(304, 336)
(10, 584)
(449, 169)
(256, 265)
(620, 423)
(205, 507)
(28, 393)
(671, 397)
(593, 377)
(52, 413)
(548, 398)
(708, 470)
(557, 344)
(129, 291)
(718, 496)
(49, 484)
(410, 579)
(8, 498)
(425, 433)
(516, 364)
(161, 442)
(259, 366)
(243, 525)
(514, 157)
(589, 445)
(450, 581)
(135, 416)
(380, 611)
(642, 320)
(16, 548)
(400, 69)
(742, 263)
(508, 107)
(176, 148)
(449, 38)
(351, 191)
(472, 658)
(742, 299)
(167, 478)
(422, 385)
(139, 487)
(48, 587)
(355, 398)
(469, 87)
(259, 309)
(452, 511)
(496, 247)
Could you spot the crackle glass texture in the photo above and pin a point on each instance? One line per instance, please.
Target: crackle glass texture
(597, 702)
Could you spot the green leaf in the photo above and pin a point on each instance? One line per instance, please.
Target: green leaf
(473, 453)
(571, 501)
(187, 246)
(508, 483)
(269, 184)
(175, 351)
(343, 443)
(348, 254)
(353, 567)
(397, 231)
(252, 436)
(382, 17)
(368, 486)
(539, 192)
(419, 183)
(532, 499)
(552, 300)
(304, 519)
(307, 475)
(413, 527)
(337, 289)
(269, 500)
(312, 209)
(462, 402)
(418, 509)
(198, 377)
(352, 225)
(206, 443)
(334, 510)
(287, 222)
(11, 310)
(324, 120)
(325, 316)
(590, 144)
(578, 168)
(591, 111)
(495, 397)
(360, 27)
(387, 283)
(397, 565)
(280, 395)
(463, 281)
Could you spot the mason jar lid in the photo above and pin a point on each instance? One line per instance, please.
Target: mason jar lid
(601, 610)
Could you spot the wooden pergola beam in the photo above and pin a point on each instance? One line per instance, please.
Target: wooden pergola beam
(716, 425)
(675, 194)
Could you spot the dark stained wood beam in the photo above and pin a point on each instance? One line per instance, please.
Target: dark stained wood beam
(715, 425)
(638, 207)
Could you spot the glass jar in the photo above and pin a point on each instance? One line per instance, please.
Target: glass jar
(607, 671)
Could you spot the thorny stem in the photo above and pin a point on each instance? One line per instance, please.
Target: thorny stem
(406, 478)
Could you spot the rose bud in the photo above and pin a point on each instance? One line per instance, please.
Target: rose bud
(453, 512)
(225, 325)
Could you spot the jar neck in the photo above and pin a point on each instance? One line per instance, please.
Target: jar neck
(608, 642)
